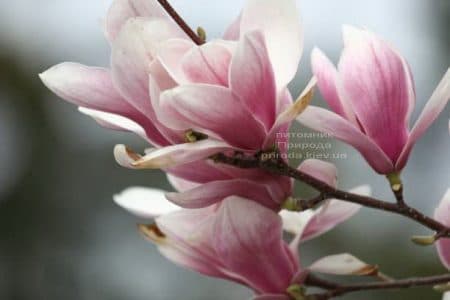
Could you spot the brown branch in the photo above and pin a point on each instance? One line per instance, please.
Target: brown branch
(271, 162)
(336, 290)
(179, 20)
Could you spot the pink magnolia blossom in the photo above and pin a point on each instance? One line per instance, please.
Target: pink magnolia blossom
(238, 240)
(162, 86)
(166, 89)
(372, 97)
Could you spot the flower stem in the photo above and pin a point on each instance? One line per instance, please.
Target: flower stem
(180, 21)
(336, 290)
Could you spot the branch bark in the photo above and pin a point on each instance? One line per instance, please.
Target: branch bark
(271, 162)
(336, 290)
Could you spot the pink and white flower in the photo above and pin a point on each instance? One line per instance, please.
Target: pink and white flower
(372, 96)
(162, 86)
(239, 240)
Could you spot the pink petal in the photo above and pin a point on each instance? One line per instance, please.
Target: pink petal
(174, 136)
(379, 87)
(312, 223)
(171, 54)
(88, 87)
(114, 122)
(181, 184)
(329, 216)
(184, 238)
(122, 10)
(320, 170)
(330, 85)
(248, 239)
(332, 214)
(432, 109)
(168, 156)
(328, 122)
(198, 171)
(133, 51)
(208, 63)
(92, 88)
(145, 202)
(233, 31)
(252, 78)
(280, 23)
(215, 191)
(215, 111)
(442, 214)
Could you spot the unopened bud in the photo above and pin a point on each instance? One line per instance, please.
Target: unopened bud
(297, 292)
(201, 33)
(423, 240)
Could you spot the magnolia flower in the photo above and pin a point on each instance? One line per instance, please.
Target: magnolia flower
(372, 96)
(229, 93)
(240, 240)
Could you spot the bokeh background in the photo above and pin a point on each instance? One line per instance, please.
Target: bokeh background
(61, 235)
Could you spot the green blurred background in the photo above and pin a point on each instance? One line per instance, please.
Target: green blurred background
(62, 237)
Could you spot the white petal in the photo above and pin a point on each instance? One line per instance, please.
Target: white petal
(145, 202)
(342, 264)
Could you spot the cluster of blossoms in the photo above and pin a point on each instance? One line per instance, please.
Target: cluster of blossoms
(191, 101)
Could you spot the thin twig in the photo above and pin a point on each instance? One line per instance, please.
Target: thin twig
(336, 290)
(180, 21)
(271, 162)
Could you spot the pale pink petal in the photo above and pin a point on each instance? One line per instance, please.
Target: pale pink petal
(89, 87)
(330, 86)
(442, 214)
(199, 171)
(212, 110)
(321, 170)
(208, 63)
(432, 109)
(312, 223)
(333, 213)
(180, 184)
(184, 238)
(252, 78)
(174, 136)
(215, 191)
(248, 239)
(328, 122)
(168, 156)
(378, 87)
(171, 54)
(114, 122)
(233, 31)
(343, 264)
(92, 88)
(133, 51)
(145, 202)
(122, 10)
(446, 296)
(161, 76)
(280, 23)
